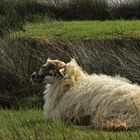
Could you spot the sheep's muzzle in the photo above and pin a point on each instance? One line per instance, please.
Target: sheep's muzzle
(36, 78)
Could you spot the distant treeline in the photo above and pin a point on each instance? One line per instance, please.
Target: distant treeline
(72, 9)
(13, 13)
(95, 9)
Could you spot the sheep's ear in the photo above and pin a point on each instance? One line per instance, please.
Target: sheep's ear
(73, 60)
(61, 65)
(61, 68)
(48, 60)
(61, 71)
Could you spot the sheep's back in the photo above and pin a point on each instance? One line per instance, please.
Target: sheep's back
(101, 96)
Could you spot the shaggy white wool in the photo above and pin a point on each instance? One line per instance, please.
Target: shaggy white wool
(100, 101)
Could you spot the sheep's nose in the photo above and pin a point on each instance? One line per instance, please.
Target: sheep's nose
(34, 75)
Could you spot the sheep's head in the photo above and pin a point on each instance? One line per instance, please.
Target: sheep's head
(51, 71)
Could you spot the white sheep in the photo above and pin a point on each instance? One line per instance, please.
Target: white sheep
(99, 101)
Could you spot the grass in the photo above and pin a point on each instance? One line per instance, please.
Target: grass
(81, 29)
(31, 125)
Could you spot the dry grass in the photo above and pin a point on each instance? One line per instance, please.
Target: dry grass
(20, 57)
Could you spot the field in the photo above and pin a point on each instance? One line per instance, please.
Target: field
(103, 39)
(81, 29)
(31, 125)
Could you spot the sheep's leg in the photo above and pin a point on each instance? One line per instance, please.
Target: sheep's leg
(114, 124)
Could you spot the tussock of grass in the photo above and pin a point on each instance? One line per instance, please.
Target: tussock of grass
(31, 125)
(84, 29)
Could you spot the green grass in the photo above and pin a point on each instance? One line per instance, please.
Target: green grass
(81, 29)
(31, 125)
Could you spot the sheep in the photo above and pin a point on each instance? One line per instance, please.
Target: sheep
(98, 101)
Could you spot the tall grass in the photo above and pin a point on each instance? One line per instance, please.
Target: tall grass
(16, 62)
(20, 57)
